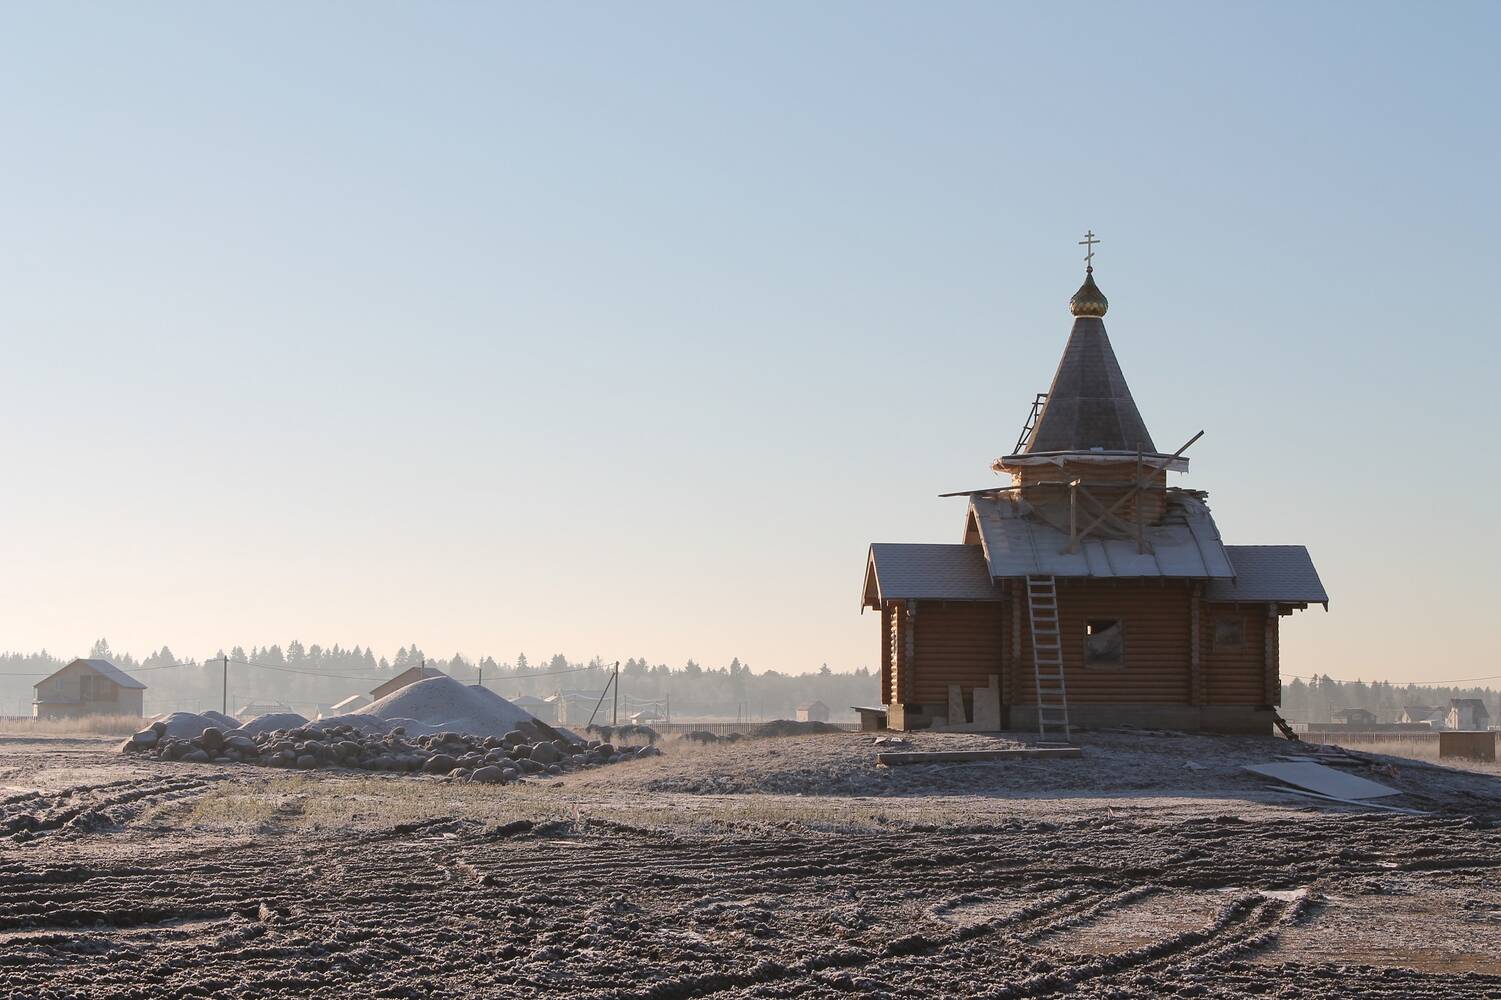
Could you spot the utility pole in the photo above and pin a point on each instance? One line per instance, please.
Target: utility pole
(224, 693)
(615, 713)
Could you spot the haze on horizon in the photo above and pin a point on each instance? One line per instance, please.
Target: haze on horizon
(623, 331)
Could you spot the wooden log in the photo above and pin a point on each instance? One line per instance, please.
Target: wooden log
(897, 758)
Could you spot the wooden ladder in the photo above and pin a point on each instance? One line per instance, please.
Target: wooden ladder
(1047, 657)
(1021, 442)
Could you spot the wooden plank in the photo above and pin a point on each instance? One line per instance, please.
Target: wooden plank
(898, 758)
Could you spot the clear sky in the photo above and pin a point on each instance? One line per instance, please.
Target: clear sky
(621, 329)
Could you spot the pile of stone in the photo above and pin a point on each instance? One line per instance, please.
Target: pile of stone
(488, 759)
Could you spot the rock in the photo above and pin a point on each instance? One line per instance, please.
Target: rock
(554, 769)
(648, 752)
(529, 766)
(511, 774)
(489, 775)
(212, 740)
(307, 762)
(545, 753)
(604, 750)
(439, 763)
(146, 738)
(459, 772)
(513, 738)
(521, 752)
(195, 756)
(129, 746)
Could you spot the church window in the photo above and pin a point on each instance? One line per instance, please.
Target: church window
(1229, 633)
(1104, 643)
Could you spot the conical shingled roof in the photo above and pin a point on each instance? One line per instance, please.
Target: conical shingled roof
(1089, 405)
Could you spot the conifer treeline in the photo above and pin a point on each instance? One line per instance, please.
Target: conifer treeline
(312, 678)
(1317, 699)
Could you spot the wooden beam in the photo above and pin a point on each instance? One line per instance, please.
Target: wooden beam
(1273, 681)
(1140, 483)
(1141, 540)
(909, 629)
(1195, 666)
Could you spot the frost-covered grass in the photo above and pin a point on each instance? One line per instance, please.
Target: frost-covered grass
(1425, 750)
(88, 725)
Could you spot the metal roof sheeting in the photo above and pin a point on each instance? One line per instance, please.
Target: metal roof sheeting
(1185, 545)
(896, 571)
(1280, 573)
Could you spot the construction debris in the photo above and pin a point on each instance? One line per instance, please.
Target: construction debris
(435, 726)
(489, 759)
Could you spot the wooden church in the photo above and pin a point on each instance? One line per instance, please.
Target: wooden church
(1086, 590)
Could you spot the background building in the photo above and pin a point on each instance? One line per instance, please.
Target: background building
(87, 687)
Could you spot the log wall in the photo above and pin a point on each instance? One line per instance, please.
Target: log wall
(1105, 482)
(958, 642)
(1157, 643)
(1234, 675)
(1172, 653)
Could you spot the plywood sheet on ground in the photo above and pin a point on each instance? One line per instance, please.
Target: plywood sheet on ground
(1324, 780)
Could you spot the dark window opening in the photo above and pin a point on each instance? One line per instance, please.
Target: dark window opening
(1229, 633)
(1104, 643)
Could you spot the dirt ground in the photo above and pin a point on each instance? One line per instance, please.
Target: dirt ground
(1150, 866)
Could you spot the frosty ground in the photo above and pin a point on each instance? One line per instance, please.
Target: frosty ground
(1153, 865)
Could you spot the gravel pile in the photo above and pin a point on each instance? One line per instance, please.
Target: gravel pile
(444, 705)
(488, 759)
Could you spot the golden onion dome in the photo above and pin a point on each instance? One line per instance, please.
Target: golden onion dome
(1088, 300)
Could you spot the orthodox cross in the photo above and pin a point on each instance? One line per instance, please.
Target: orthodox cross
(1089, 241)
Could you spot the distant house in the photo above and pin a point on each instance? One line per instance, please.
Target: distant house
(540, 708)
(814, 711)
(87, 687)
(1355, 716)
(1422, 714)
(575, 708)
(411, 675)
(256, 709)
(646, 716)
(1467, 714)
(353, 703)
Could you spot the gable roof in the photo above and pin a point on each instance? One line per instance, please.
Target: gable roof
(1184, 545)
(103, 668)
(1280, 573)
(1089, 406)
(410, 675)
(896, 571)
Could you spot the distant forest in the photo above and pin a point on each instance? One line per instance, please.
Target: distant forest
(1316, 700)
(313, 678)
